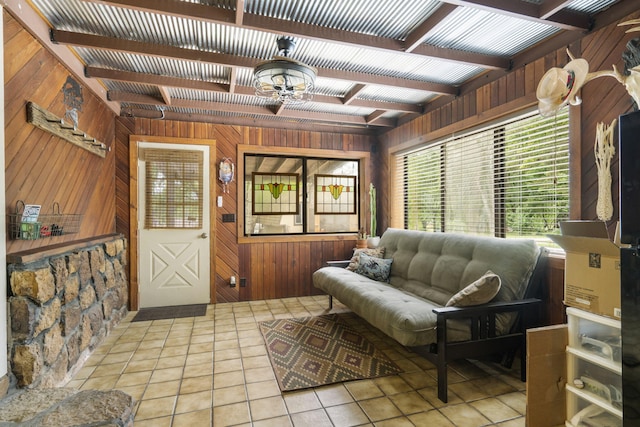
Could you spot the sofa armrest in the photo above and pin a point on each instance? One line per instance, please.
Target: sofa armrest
(482, 319)
(484, 340)
(339, 263)
(492, 307)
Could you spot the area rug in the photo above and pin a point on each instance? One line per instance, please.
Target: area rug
(171, 312)
(314, 351)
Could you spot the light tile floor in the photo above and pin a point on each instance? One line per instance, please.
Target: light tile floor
(214, 370)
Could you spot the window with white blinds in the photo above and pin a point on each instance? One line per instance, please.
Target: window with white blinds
(509, 179)
(173, 185)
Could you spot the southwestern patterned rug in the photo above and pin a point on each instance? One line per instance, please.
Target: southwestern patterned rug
(315, 351)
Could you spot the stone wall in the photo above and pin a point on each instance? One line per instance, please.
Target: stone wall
(61, 307)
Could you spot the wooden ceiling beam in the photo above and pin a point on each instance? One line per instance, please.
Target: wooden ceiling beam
(279, 109)
(149, 49)
(470, 58)
(549, 8)
(376, 115)
(245, 121)
(233, 77)
(278, 26)
(175, 8)
(563, 19)
(337, 118)
(152, 79)
(157, 80)
(353, 94)
(239, 12)
(166, 96)
(153, 49)
(134, 98)
(415, 38)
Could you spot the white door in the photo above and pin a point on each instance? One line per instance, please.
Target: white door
(173, 224)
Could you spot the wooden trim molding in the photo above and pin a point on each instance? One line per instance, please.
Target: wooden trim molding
(362, 156)
(134, 290)
(514, 107)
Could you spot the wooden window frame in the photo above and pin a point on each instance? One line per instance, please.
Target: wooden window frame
(361, 156)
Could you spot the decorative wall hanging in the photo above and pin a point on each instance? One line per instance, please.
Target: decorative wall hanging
(604, 149)
(73, 99)
(226, 173)
(558, 86)
(335, 194)
(274, 193)
(53, 124)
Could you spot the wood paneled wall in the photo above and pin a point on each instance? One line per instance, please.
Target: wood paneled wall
(272, 269)
(603, 100)
(41, 168)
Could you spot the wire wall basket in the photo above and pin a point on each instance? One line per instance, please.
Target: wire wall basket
(27, 223)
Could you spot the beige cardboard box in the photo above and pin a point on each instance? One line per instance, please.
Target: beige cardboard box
(546, 376)
(592, 268)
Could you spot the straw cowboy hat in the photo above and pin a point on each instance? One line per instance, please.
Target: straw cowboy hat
(558, 86)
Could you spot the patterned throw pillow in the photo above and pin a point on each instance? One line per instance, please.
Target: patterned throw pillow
(376, 252)
(374, 268)
(479, 292)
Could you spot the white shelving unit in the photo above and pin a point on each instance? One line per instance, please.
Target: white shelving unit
(594, 370)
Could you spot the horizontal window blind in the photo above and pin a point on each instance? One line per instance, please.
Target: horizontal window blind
(173, 185)
(509, 179)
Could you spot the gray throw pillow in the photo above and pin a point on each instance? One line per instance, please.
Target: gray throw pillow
(374, 268)
(376, 252)
(479, 292)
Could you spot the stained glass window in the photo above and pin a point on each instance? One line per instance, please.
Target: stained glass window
(335, 194)
(275, 193)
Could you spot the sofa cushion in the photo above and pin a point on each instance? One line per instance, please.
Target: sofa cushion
(374, 268)
(481, 291)
(406, 318)
(375, 252)
(436, 266)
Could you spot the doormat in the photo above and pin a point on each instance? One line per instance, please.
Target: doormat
(171, 312)
(314, 351)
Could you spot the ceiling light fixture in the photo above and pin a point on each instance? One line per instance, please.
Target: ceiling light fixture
(284, 79)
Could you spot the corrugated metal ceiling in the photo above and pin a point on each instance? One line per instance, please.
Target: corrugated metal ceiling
(359, 46)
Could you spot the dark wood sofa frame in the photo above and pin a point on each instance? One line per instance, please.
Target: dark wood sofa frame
(482, 320)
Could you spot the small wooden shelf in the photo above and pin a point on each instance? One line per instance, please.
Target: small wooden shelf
(53, 124)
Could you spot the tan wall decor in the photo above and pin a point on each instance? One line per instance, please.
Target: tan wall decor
(604, 150)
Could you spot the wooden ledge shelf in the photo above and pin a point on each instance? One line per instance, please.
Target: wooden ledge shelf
(47, 121)
(36, 254)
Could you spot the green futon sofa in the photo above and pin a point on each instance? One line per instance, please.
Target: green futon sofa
(428, 269)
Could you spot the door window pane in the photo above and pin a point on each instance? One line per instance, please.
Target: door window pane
(174, 182)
